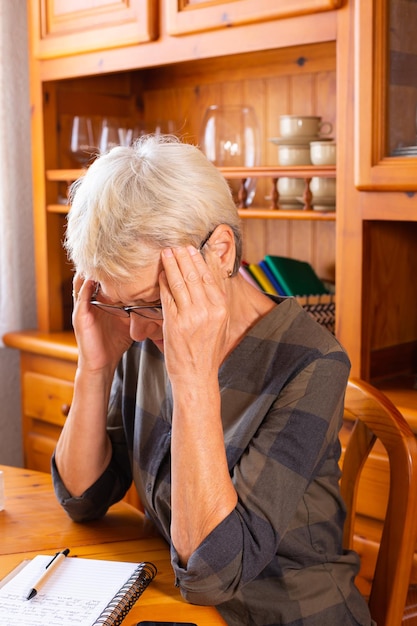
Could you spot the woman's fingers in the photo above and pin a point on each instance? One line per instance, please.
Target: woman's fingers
(82, 288)
(188, 276)
(77, 283)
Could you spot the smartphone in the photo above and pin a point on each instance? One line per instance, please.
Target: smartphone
(166, 624)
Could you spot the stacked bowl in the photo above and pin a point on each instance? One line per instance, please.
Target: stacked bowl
(322, 189)
(297, 133)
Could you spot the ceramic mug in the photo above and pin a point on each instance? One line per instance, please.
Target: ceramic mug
(290, 187)
(289, 155)
(323, 187)
(303, 126)
(323, 152)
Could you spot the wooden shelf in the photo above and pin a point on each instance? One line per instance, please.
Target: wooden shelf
(64, 176)
(272, 172)
(264, 171)
(281, 214)
(253, 213)
(58, 208)
(277, 171)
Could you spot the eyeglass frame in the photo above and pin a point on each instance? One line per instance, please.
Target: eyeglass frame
(118, 310)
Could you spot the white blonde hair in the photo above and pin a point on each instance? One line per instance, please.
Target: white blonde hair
(158, 193)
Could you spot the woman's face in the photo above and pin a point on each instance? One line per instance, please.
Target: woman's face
(141, 291)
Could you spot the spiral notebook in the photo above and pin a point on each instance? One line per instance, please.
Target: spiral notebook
(81, 592)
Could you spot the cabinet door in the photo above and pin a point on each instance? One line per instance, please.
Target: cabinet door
(386, 120)
(66, 27)
(189, 16)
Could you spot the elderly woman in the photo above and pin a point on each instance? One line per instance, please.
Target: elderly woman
(222, 404)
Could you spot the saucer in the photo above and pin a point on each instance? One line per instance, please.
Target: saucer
(290, 207)
(298, 141)
(324, 208)
(288, 203)
(320, 200)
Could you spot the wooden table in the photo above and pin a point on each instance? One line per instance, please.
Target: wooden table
(34, 523)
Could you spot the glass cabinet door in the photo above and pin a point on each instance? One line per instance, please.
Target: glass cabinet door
(386, 95)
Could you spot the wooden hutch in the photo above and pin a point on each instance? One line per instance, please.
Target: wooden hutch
(147, 59)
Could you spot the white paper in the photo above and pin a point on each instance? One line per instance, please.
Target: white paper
(75, 594)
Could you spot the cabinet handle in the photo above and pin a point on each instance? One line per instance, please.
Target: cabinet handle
(65, 408)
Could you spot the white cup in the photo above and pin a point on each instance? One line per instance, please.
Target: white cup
(1, 491)
(289, 155)
(290, 187)
(303, 126)
(323, 152)
(323, 187)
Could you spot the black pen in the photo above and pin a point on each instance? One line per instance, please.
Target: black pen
(49, 568)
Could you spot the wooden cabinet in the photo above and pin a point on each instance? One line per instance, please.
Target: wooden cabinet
(314, 61)
(376, 234)
(377, 227)
(65, 27)
(190, 16)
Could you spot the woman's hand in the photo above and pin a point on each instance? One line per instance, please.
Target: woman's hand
(101, 338)
(196, 317)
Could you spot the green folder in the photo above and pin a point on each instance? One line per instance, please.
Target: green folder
(297, 278)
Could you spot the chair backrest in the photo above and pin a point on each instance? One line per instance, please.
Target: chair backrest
(377, 418)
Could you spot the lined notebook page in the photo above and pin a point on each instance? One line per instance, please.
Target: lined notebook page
(75, 594)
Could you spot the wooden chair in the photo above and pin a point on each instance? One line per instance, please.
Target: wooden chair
(377, 418)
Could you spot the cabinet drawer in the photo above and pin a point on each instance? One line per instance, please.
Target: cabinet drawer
(38, 451)
(46, 398)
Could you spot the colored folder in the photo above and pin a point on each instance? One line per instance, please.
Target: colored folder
(297, 278)
(272, 278)
(262, 279)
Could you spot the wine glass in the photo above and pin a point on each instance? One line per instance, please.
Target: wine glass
(112, 134)
(229, 137)
(83, 146)
(157, 127)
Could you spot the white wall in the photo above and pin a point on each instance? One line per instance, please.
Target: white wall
(15, 102)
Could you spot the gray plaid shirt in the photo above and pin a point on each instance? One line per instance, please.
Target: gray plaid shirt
(277, 558)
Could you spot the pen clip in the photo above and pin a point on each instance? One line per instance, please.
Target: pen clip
(64, 552)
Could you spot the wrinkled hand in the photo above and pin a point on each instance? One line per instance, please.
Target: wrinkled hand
(195, 316)
(101, 338)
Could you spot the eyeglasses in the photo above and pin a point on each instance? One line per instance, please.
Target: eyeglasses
(205, 241)
(149, 311)
(152, 312)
